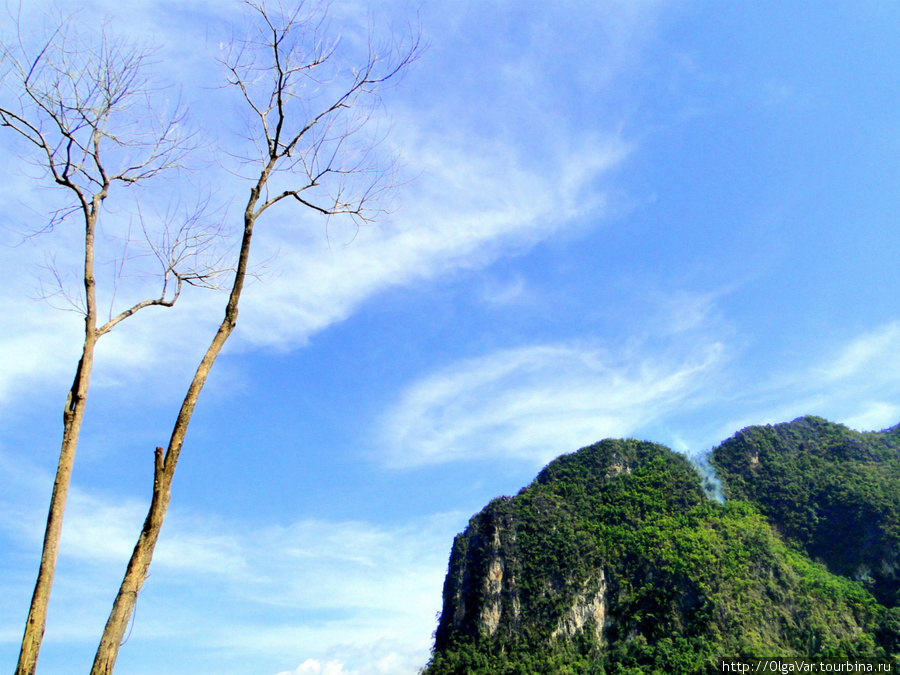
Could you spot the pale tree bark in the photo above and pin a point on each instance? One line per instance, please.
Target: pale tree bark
(70, 101)
(312, 151)
(73, 415)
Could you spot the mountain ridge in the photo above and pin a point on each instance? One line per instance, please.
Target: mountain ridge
(614, 559)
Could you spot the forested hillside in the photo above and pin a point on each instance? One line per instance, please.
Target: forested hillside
(614, 560)
(832, 490)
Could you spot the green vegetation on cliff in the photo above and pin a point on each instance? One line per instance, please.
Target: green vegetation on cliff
(614, 561)
(833, 491)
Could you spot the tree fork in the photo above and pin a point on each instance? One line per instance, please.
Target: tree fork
(64, 100)
(281, 134)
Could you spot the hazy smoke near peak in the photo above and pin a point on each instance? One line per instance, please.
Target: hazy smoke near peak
(711, 483)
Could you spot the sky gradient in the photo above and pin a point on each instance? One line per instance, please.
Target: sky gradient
(659, 219)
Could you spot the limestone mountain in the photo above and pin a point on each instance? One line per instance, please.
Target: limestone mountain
(614, 560)
(833, 491)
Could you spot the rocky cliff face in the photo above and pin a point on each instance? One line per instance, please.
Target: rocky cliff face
(614, 560)
(482, 592)
(481, 587)
(485, 592)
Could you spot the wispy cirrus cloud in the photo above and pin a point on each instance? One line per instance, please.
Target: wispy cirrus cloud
(692, 385)
(861, 382)
(463, 211)
(536, 402)
(472, 200)
(873, 355)
(856, 383)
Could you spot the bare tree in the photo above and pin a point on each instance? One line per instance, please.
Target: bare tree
(83, 105)
(312, 142)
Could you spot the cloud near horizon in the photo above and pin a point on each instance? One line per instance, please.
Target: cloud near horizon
(372, 584)
(313, 666)
(860, 383)
(855, 383)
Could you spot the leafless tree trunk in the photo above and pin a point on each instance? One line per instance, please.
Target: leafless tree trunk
(70, 101)
(315, 145)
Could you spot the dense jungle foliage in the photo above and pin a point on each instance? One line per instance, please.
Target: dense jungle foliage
(615, 561)
(833, 491)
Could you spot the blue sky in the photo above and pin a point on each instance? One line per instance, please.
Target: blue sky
(667, 220)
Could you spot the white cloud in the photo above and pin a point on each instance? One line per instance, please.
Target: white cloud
(385, 662)
(473, 201)
(875, 416)
(860, 385)
(675, 386)
(313, 666)
(537, 402)
(322, 592)
(466, 209)
(101, 531)
(509, 292)
(857, 384)
(39, 346)
(370, 593)
(874, 354)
